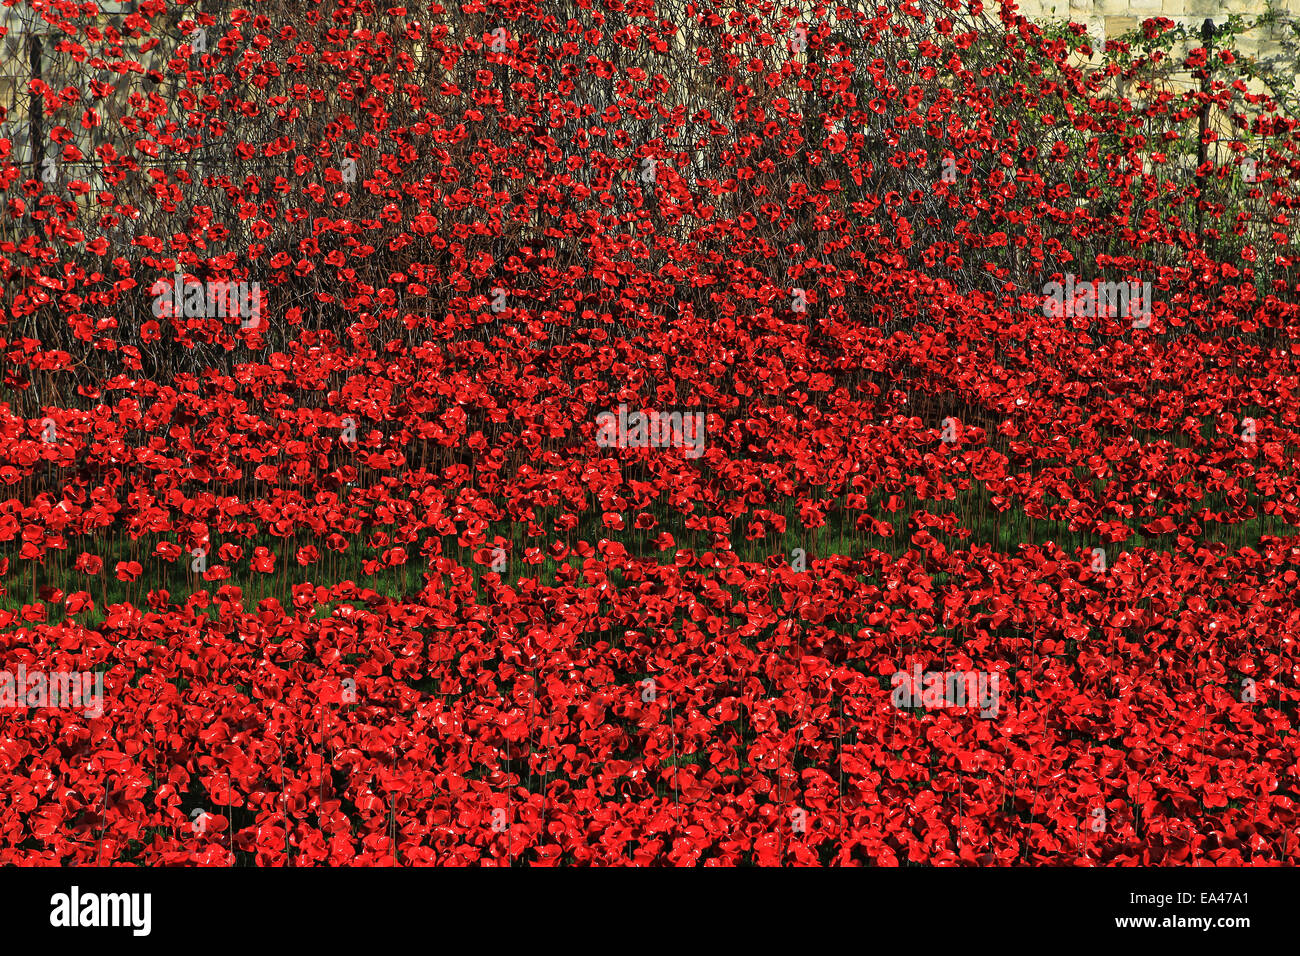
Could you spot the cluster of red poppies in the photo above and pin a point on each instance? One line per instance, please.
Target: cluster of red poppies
(363, 586)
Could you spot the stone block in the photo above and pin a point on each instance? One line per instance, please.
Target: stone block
(1111, 8)
(1266, 49)
(1215, 9)
(1282, 27)
(1118, 26)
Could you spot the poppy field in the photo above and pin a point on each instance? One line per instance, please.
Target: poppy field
(572, 433)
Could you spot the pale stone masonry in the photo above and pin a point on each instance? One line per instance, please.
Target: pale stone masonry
(1113, 18)
(1268, 23)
